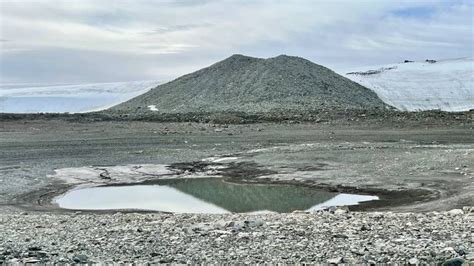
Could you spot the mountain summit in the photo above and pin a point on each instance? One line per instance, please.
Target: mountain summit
(247, 84)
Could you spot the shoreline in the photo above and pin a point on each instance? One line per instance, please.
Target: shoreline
(43, 200)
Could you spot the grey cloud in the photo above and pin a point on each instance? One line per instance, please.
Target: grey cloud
(177, 28)
(48, 65)
(136, 40)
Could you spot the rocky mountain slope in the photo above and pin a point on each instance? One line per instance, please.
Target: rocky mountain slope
(246, 84)
(447, 85)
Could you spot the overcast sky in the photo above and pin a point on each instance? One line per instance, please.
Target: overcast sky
(62, 41)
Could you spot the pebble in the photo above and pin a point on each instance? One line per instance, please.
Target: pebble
(456, 212)
(335, 236)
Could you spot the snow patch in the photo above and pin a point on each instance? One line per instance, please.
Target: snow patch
(447, 85)
(153, 108)
(343, 200)
(219, 159)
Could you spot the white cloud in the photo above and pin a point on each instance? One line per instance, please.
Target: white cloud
(161, 39)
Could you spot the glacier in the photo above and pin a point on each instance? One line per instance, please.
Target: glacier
(75, 98)
(446, 85)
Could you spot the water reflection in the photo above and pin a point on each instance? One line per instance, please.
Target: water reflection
(205, 196)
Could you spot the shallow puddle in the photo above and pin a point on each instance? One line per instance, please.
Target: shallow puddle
(210, 195)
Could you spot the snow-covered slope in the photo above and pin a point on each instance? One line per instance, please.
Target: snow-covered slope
(30, 98)
(447, 85)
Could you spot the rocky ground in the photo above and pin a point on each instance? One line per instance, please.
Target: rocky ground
(416, 167)
(334, 236)
(429, 166)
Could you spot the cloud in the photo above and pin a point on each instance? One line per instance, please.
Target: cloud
(144, 39)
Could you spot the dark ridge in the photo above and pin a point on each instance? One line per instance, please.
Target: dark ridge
(254, 85)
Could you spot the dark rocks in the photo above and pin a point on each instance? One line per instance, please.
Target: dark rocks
(34, 248)
(454, 262)
(105, 174)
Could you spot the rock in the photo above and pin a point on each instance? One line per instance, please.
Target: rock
(105, 175)
(413, 261)
(454, 262)
(468, 209)
(221, 224)
(456, 212)
(449, 250)
(364, 228)
(31, 260)
(253, 223)
(80, 259)
(337, 260)
(34, 248)
(42, 254)
(340, 236)
(237, 226)
(341, 210)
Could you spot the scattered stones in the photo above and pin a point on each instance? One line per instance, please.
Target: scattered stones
(456, 212)
(321, 238)
(468, 209)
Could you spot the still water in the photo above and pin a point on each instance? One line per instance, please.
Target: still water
(210, 195)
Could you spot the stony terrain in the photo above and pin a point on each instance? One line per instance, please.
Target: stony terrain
(427, 161)
(434, 160)
(333, 236)
(246, 84)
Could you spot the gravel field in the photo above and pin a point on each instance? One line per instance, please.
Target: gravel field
(335, 236)
(415, 169)
(429, 166)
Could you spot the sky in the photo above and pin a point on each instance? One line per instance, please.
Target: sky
(83, 41)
